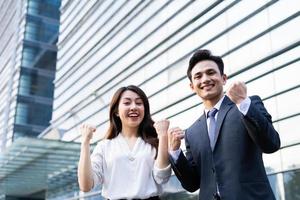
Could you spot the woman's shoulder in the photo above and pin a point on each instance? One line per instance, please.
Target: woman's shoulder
(103, 142)
(102, 145)
(107, 142)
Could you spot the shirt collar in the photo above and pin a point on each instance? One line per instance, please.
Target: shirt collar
(217, 106)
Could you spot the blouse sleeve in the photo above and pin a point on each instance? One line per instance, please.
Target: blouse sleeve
(97, 160)
(161, 175)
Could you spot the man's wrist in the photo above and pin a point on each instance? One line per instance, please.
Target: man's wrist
(244, 105)
(175, 154)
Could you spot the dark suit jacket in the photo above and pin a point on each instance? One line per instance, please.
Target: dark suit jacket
(236, 163)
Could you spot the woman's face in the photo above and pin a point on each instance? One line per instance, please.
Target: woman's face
(131, 109)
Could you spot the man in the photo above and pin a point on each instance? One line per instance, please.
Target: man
(224, 146)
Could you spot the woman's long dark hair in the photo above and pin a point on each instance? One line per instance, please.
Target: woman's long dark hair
(146, 129)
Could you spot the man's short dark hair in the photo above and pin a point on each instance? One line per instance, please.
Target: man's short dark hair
(204, 54)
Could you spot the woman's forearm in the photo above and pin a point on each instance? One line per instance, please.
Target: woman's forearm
(162, 160)
(85, 176)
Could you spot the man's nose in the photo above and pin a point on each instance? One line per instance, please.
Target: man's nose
(205, 78)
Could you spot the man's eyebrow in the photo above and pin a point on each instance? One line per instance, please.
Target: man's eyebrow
(197, 73)
(210, 69)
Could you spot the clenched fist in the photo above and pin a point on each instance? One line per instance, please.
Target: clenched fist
(87, 131)
(175, 136)
(162, 127)
(237, 92)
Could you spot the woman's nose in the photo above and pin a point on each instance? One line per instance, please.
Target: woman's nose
(133, 106)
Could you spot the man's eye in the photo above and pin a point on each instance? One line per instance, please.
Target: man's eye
(211, 72)
(197, 77)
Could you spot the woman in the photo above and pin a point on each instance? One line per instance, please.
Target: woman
(132, 162)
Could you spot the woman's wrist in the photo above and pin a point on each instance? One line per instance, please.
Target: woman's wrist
(85, 142)
(162, 135)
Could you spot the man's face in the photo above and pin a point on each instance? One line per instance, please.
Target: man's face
(207, 81)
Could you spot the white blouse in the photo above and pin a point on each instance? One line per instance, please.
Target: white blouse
(126, 173)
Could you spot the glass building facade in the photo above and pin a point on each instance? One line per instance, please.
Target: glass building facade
(28, 37)
(38, 64)
(28, 60)
(107, 44)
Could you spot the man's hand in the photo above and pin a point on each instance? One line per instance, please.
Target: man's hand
(175, 135)
(87, 131)
(237, 92)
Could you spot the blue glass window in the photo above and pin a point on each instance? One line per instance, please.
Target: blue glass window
(47, 8)
(39, 30)
(35, 57)
(33, 113)
(31, 83)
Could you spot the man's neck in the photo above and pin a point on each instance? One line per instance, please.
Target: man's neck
(209, 104)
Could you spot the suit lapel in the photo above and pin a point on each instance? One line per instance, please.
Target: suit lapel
(203, 126)
(201, 129)
(226, 105)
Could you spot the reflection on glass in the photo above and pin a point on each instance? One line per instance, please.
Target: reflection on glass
(292, 185)
(48, 8)
(37, 30)
(274, 182)
(34, 84)
(32, 113)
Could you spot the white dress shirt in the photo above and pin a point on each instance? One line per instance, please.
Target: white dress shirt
(126, 173)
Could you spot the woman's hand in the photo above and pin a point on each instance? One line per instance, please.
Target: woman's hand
(162, 127)
(162, 160)
(87, 131)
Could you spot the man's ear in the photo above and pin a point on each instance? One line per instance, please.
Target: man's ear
(192, 86)
(224, 76)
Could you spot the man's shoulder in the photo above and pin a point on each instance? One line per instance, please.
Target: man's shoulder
(194, 124)
(255, 97)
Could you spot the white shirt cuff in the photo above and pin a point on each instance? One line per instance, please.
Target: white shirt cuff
(175, 154)
(244, 106)
(162, 175)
